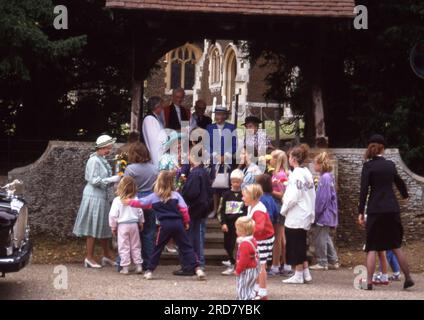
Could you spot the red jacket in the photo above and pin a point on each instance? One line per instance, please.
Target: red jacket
(247, 257)
(263, 224)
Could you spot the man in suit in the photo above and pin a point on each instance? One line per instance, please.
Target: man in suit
(176, 113)
(198, 118)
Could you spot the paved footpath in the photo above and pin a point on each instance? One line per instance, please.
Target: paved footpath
(37, 282)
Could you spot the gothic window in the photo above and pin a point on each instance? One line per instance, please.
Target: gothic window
(215, 69)
(181, 67)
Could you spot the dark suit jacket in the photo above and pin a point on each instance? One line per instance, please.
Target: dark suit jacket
(378, 176)
(171, 117)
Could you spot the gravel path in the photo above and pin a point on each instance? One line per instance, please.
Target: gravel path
(37, 282)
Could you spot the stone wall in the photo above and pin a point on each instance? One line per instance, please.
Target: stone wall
(349, 162)
(55, 182)
(54, 186)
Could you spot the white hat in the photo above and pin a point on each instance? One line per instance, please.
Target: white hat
(237, 174)
(104, 140)
(220, 108)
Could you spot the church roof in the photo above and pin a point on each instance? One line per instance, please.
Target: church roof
(311, 8)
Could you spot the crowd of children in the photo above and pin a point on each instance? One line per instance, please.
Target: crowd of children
(266, 219)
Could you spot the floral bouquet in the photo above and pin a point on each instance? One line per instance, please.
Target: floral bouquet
(180, 180)
(121, 162)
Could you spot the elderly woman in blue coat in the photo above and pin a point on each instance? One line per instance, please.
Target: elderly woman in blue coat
(92, 221)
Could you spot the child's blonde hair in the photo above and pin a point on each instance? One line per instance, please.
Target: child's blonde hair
(323, 159)
(254, 190)
(245, 225)
(281, 162)
(164, 185)
(127, 188)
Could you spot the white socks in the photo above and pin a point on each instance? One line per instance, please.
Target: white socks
(307, 273)
(384, 277)
(298, 275)
(275, 269)
(287, 267)
(256, 287)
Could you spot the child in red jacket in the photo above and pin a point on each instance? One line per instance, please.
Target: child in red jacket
(264, 232)
(247, 259)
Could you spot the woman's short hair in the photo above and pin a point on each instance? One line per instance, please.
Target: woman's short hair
(373, 150)
(138, 153)
(153, 102)
(254, 190)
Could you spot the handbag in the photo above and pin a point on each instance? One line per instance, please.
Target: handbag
(221, 179)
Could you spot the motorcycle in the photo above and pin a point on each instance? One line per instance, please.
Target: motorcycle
(15, 244)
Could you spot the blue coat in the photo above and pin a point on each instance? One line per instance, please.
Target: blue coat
(227, 145)
(197, 193)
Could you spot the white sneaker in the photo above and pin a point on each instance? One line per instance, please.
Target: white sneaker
(125, 271)
(227, 263)
(138, 269)
(172, 250)
(148, 275)
(201, 275)
(228, 272)
(294, 280)
(318, 267)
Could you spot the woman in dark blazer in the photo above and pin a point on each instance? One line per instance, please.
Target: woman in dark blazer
(383, 224)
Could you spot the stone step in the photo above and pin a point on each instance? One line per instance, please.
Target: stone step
(214, 240)
(212, 225)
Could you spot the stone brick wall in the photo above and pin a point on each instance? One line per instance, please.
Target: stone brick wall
(54, 186)
(349, 170)
(55, 182)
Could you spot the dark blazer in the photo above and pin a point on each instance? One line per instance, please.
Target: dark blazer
(203, 122)
(171, 117)
(378, 176)
(197, 193)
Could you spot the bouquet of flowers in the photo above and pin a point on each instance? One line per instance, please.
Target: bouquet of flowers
(121, 162)
(180, 180)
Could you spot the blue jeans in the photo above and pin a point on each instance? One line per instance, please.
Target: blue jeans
(147, 236)
(202, 242)
(194, 236)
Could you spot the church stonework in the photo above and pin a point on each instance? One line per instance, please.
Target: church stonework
(222, 71)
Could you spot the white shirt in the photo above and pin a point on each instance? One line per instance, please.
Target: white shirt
(154, 136)
(124, 214)
(178, 110)
(299, 200)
